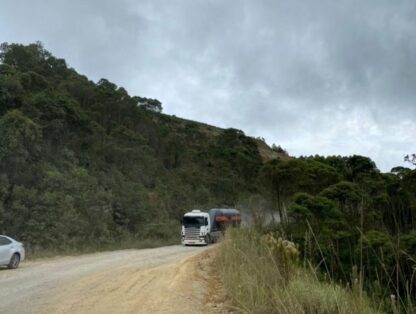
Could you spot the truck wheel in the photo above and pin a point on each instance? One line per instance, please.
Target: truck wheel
(208, 239)
(14, 261)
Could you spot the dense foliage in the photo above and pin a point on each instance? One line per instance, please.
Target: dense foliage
(346, 215)
(84, 163)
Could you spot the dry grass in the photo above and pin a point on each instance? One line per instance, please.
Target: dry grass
(261, 276)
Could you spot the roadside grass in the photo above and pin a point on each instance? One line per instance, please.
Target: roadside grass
(152, 236)
(124, 244)
(262, 274)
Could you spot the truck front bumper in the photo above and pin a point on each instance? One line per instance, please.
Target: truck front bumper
(201, 241)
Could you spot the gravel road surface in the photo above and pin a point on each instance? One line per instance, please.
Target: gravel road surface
(160, 280)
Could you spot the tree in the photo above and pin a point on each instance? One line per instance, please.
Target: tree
(318, 176)
(11, 91)
(18, 136)
(411, 158)
(150, 104)
(359, 167)
(320, 218)
(318, 207)
(348, 197)
(281, 179)
(400, 171)
(33, 57)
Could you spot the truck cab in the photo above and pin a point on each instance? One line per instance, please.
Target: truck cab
(196, 226)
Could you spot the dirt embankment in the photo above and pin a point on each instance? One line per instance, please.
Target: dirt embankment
(165, 280)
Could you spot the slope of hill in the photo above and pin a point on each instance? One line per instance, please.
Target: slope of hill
(84, 160)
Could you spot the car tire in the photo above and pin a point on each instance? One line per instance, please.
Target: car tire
(14, 261)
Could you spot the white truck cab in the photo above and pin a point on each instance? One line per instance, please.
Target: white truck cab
(196, 226)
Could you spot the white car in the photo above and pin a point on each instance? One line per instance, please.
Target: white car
(12, 252)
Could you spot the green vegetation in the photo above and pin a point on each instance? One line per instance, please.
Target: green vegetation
(348, 217)
(125, 243)
(85, 165)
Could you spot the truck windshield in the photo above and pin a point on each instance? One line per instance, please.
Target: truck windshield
(193, 222)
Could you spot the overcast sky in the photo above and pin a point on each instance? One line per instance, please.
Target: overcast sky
(317, 77)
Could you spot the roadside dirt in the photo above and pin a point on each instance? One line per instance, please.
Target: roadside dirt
(173, 279)
(177, 287)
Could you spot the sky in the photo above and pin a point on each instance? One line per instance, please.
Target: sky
(316, 77)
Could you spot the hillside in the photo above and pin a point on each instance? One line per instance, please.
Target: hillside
(84, 160)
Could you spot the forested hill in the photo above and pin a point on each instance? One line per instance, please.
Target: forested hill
(85, 161)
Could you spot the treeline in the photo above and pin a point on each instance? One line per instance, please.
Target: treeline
(84, 163)
(352, 221)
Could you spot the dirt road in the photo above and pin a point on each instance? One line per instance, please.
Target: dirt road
(172, 279)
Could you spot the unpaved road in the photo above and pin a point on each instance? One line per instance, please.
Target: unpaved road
(173, 279)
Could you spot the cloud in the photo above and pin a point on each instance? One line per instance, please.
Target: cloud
(334, 77)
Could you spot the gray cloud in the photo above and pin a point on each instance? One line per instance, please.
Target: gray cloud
(334, 77)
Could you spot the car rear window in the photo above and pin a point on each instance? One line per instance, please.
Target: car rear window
(4, 241)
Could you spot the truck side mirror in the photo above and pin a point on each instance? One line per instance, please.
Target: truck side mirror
(206, 221)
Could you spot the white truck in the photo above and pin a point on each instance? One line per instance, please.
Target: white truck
(201, 228)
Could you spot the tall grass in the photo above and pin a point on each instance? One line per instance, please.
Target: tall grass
(262, 275)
